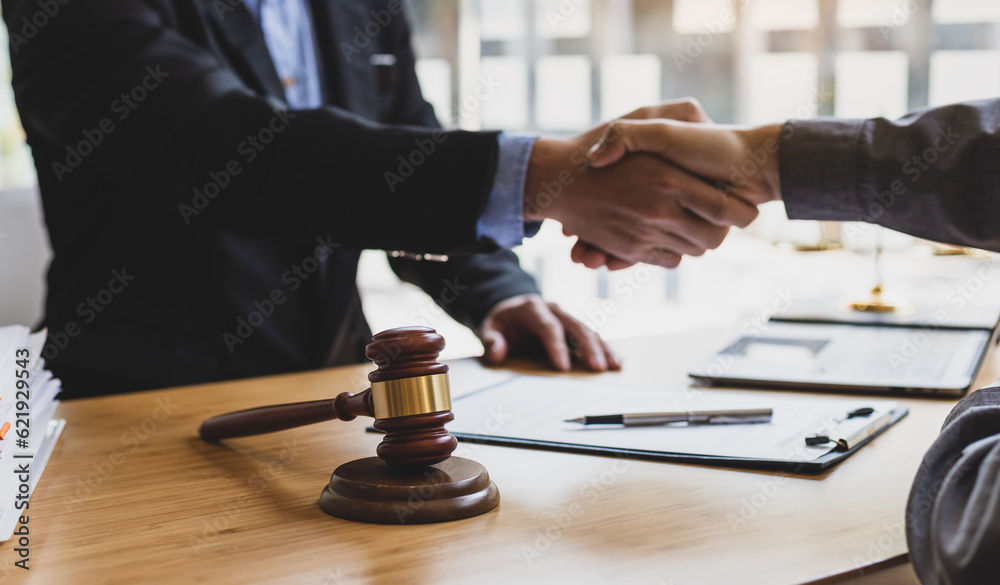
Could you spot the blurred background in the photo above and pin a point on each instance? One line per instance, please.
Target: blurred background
(560, 66)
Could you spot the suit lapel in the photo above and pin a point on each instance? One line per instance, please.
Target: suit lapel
(350, 79)
(249, 53)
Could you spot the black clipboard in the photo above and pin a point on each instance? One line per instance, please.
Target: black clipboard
(813, 467)
(485, 436)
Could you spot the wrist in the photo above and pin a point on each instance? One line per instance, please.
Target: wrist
(767, 138)
(547, 178)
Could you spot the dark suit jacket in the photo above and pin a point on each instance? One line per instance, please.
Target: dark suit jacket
(201, 232)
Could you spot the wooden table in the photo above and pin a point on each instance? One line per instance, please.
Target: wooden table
(131, 495)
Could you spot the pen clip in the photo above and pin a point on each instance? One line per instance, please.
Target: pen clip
(729, 419)
(852, 439)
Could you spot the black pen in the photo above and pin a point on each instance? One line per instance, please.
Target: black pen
(694, 417)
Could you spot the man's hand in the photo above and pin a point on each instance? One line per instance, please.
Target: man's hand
(643, 209)
(741, 161)
(526, 320)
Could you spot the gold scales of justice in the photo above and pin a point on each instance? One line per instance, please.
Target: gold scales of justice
(878, 300)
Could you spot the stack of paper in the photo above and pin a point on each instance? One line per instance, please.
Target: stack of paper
(28, 432)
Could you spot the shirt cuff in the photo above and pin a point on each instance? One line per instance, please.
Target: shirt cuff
(502, 221)
(819, 169)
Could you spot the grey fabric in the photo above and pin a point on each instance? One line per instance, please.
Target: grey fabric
(935, 173)
(953, 514)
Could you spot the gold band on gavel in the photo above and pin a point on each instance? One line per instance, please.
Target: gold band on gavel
(407, 396)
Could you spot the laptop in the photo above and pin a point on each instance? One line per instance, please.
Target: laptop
(815, 348)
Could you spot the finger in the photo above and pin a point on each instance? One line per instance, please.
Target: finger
(706, 150)
(494, 344)
(664, 258)
(594, 258)
(702, 234)
(711, 203)
(613, 359)
(685, 109)
(577, 252)
(679, 245)
(624, 136)
(607, 149)
(611, 262)
(586, 344)
(745, 195)
(547, 327)
(615, 263)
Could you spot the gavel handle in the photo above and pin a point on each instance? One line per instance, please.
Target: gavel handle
(268, 419)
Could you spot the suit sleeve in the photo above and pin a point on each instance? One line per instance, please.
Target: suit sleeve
(935, 173)
(283, 174)
(467, 286)
(953, 514)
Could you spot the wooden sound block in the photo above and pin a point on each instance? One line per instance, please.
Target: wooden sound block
(368, 490)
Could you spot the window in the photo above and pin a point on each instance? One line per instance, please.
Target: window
(16, 168)
(563, 65)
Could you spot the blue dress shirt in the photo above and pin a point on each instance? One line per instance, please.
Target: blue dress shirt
(287, 28)
(288, 33)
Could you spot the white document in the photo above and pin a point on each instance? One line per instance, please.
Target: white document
(535, 408)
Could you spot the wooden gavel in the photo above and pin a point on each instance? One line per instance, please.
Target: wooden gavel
(414, 479)
(409, 398)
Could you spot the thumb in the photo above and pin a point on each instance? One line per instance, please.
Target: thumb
(624, 136)
(494, 344)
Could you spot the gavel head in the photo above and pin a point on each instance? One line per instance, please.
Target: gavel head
(411, 397)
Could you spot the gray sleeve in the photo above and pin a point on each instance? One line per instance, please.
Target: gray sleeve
(935, 173)
(953, 514)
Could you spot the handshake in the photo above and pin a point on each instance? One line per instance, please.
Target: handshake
(658, 184)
